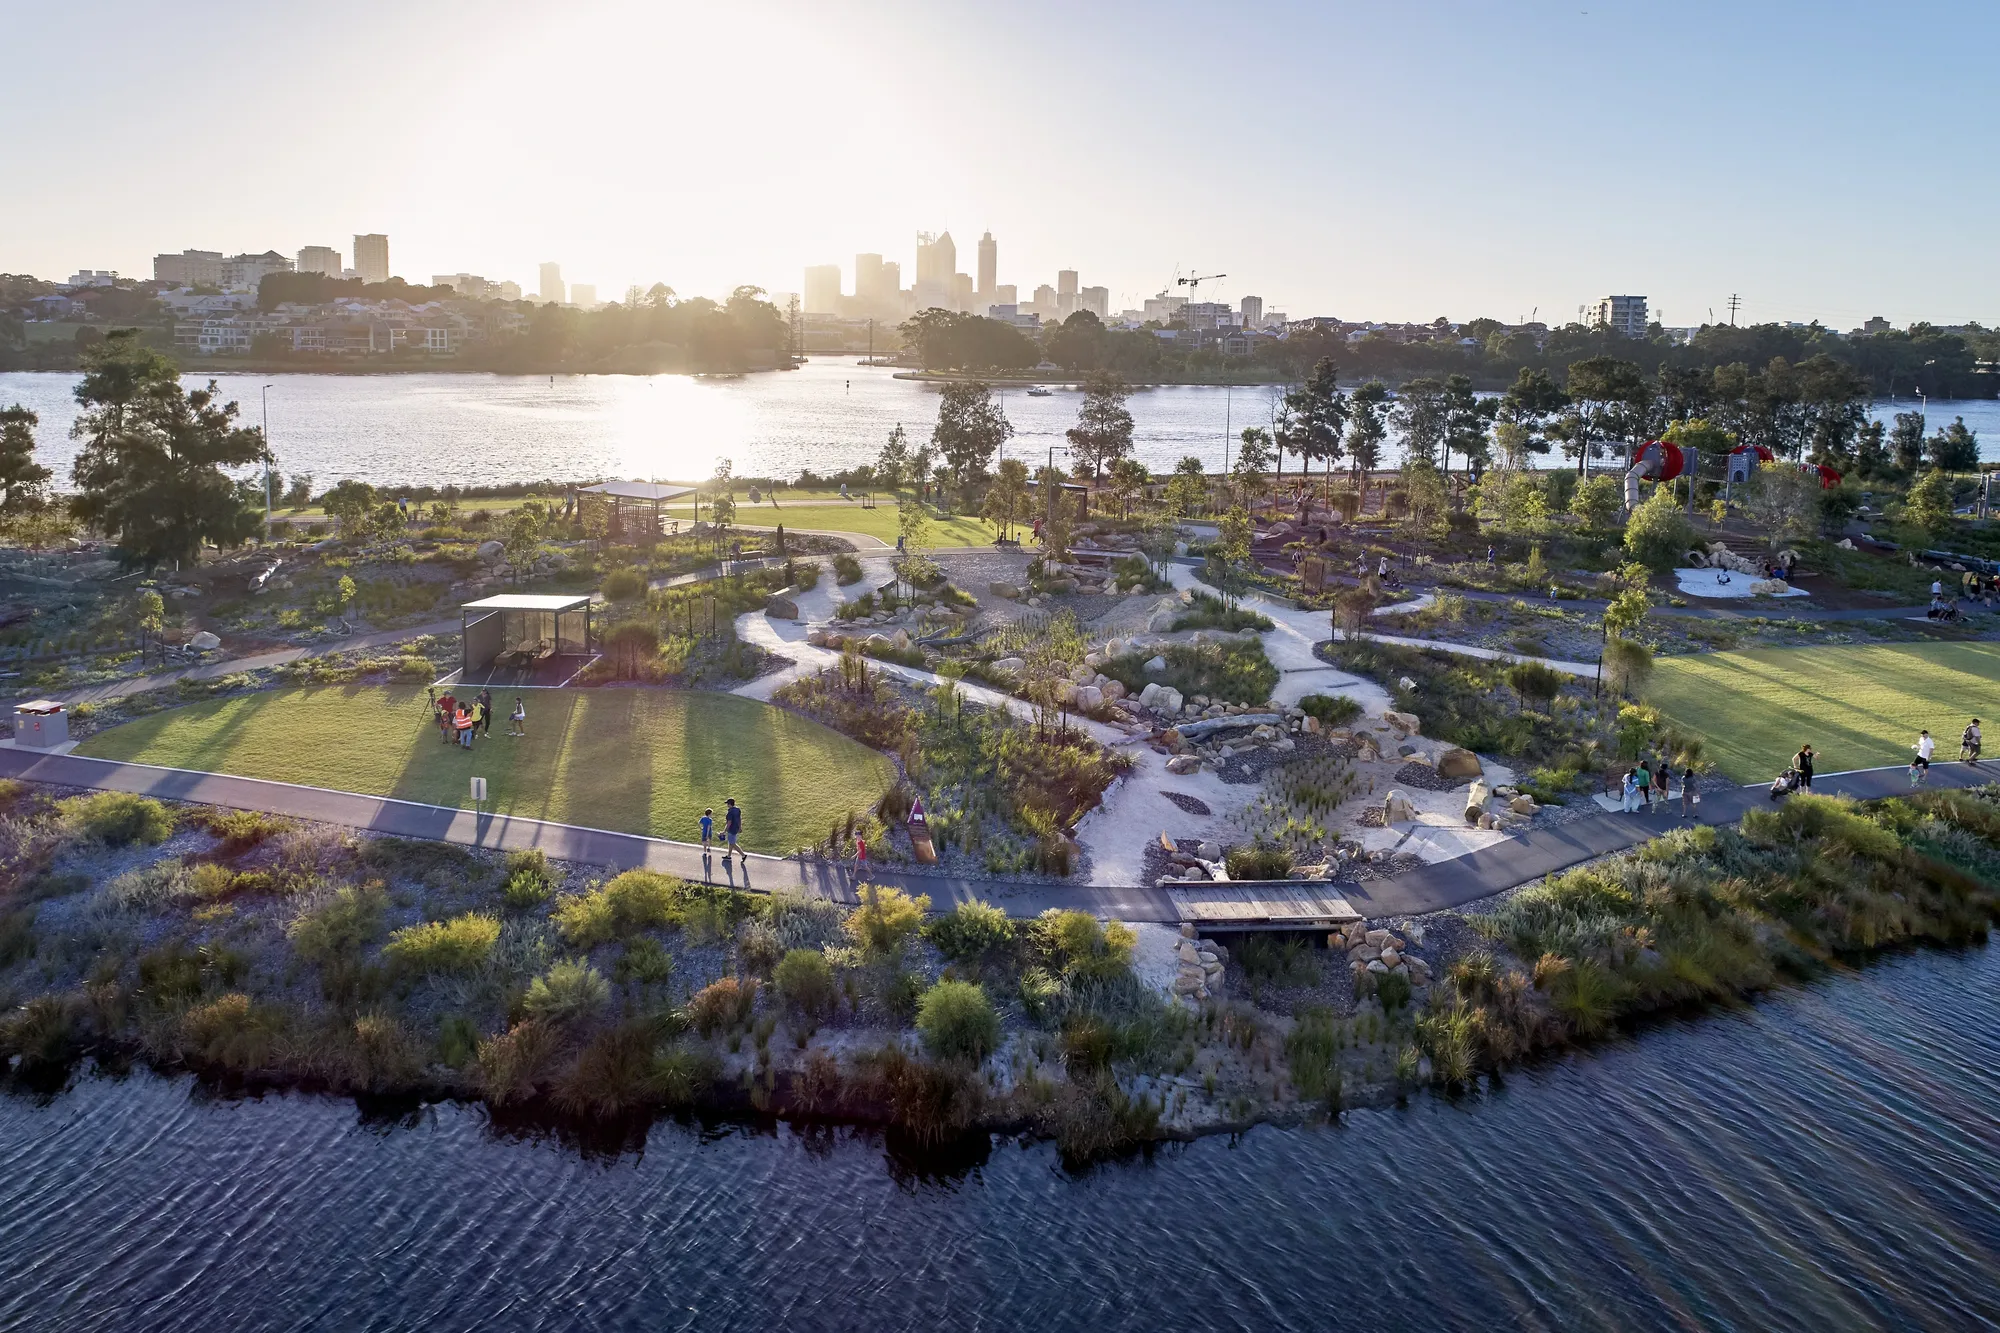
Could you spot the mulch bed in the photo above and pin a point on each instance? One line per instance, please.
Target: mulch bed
(1425, 778)
(1188, 803)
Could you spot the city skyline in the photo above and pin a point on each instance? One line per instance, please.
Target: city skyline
(1506, 188)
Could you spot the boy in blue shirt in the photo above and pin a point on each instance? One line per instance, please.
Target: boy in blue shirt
(707, 828)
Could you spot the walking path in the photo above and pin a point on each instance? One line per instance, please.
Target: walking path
(130, 685)
(1432, 888)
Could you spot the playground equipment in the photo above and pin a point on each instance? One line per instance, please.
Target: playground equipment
(1657, 460)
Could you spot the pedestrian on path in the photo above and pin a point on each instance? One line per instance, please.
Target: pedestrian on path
(707, 829)
(1803, 763)
(1643, 776)
(1968, 742)
(1920, 763)
(519, 719)
(732, 825)
(1689, 797)
(1631, 802)
(860, 851)
(485, 712)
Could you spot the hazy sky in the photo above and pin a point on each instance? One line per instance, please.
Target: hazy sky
(1386, 160)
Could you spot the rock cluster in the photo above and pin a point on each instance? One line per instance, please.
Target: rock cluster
(1381, 952)
(1199, 974)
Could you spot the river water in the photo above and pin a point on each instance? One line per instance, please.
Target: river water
(1824, 1159)
(398, 429)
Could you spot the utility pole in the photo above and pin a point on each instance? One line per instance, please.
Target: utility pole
(1734, 301)
(267, 460)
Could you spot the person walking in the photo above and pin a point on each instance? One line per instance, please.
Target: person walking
(732, 825)
(1643, 777)
(707, 830)
(1631, 801)
(1968, 742)
(485, 712)
(1688, 795)
(860, 851)
(519, 720)
(1920, 763)
(1803, 763)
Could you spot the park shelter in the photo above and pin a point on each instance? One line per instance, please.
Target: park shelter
(626, 511)
(524, 638)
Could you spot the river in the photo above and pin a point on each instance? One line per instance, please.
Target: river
(1824, 1159)
(431, 429)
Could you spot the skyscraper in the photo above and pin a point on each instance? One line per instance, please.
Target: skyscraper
(822, 291)
(1006, 294)
(937, 261)
(552, 284)
(320, 259)
(961, 291)
(989, 266)
(1097, 300)
(1253, 312)
(869, 284)
(371, 257)
(1065, 293)
(583, 295)
(1623, 314)
(1045, 301)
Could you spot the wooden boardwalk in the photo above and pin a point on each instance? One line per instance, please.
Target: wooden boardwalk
(1266, 904)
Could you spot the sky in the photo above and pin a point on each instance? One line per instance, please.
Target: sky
(1394, 161)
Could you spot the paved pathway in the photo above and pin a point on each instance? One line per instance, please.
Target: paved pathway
(130, 685)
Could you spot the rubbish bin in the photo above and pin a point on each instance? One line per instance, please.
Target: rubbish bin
(41, 725)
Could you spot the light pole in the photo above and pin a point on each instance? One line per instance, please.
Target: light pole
(266, 395)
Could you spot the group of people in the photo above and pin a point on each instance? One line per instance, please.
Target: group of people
(1968, 750)
(459, 720)
(732, 828)
(1973, 588)
(1646, 782)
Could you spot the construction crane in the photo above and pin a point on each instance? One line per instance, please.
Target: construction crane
(1194, 284)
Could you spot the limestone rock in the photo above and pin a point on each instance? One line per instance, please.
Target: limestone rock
(1114, 690)
(490, 552)
(781, 608)
(1458, 763)
(1089, 698)
(1311, 726)
(1082, 673)
(1182, 764)
(1010, 666)
(1404, 722)
(204, 642)
(1154, 665)
(1000, 588)
(1523, 805)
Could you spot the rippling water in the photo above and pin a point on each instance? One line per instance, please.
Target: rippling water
(433, 429)
(1826, 1159)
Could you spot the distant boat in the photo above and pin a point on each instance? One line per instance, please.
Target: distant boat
(1039, 391)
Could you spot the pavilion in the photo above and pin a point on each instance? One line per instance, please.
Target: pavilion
(521, 639)
(626, 510)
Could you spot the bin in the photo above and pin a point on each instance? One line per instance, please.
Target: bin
(41, 725)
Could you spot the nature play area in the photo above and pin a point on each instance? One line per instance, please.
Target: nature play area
(633, 761)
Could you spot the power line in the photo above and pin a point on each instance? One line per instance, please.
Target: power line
(1734, 301)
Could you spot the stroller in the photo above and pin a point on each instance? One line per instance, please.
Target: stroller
(1786, 783)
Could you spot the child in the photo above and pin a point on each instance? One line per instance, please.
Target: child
(860, 852)
(519, 719)
(707, 829)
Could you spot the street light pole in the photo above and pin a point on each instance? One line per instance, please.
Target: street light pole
(267, 459)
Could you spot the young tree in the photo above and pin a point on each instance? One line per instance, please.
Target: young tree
(151, 474)
(1228, 565)
(1128, 481)
(1365, 429)
(970, 430)
(24, 483)
(1955, 448)
(892, 465)
(1423, 417)
(1103, 430)
(1598, 505)
(1253, 459)
(1929, 503)
(1906, 441)
(1467, 417)
(1657, 533)
(1007, 498)
(1187, 489)
(1424, 485)
(349, 503)
(1313, 416)
(1784, 501)
(1611, 397)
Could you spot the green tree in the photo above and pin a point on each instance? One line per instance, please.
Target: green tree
(150, 473)
(1657, 533)
(1424, 485)
(24, 483)
(1187, 489)
(524, 534)
(1228, 565)
(1783, 500)
(1365, 429)
(1954, 448)
(1007, 498)
(349, 504)
(1906, 441)
(1611, 396)
(1424, 417)
(1467, 417)
(1530, 401)
(1597, 505)
(1254, 453)
(1128, 481)
(1929, 503)
(1871, 452)
(970, 430)
(892, 465)
(1103, 431)
(1314, 415)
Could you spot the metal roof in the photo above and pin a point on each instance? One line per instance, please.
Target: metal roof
(637, 490)
(530, 601)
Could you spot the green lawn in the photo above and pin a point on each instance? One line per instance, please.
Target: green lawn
(1860, 707)
(825, 509)
(638, 761)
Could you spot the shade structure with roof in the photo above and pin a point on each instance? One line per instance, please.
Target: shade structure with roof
(632, 511)
(524, 638)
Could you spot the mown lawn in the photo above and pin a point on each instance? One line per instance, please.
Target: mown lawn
(1860, 707)
(825, 509)
(637, 761)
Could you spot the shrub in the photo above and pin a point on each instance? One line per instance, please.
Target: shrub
(1535, 683)
(804, 981)
(1393, 990)
(1265, 961)
(801, 922)
(1658, 534)
(1258, 860)
(971, 932)
(118, 818)
(1332, 710)
(513, 1064)
(622, 585)
(846, 570)
(240, 830)
(341, 927)
(1312, 1049)
(758, 947)
(645, 960)
(567, 992)
(886, 919)
(632, 651)
(1628, 664)
(529, 880)
(1207, 611)
(232, 1031)
(1235, 670)
(458, 945)
(722, 1006)
(634, 901)
(1078, 945)
(957, 1021)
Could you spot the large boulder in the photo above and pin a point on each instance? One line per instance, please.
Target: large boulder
(1458, 763)
(1475, 802)
(781, 608)
(1010, 666)
(1000, 589)
(1182, 764)
(1089, 698)
(490, 552)
(1397, 809)
(1083, 672)
(1162, 620)
(878, 643)
(1114, 690)
(1154, 665)
(204, 642)
(1407, 723)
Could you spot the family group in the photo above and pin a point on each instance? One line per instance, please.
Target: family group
(459, 720)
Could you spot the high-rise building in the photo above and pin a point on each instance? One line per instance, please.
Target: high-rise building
(1164, 309)
(371, 257)
(1065, 293)
(1206, 315)
(989, 265)
(189, 268)
(869, 285)
(507, 291)
(892, 281)
(320, 259)
(962, 295)
(1097, 300)
(822, 293)
(552, 284)
(583, 295)
(1623, 314)
(937, 261)
(1045, 301)
(242, 273)
(1253, 312)
(1006, 294)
